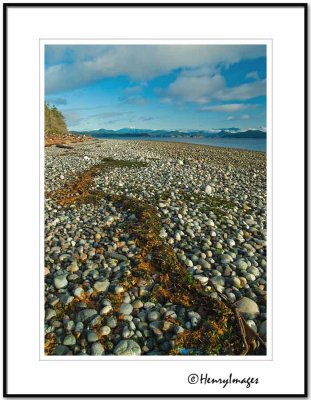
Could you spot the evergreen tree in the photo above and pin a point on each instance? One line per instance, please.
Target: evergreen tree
(54, 121)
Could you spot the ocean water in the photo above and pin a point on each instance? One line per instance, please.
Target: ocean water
(246, 144)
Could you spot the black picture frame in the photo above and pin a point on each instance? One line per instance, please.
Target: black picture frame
(6, 6)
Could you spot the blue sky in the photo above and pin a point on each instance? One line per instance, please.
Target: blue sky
(157, 86)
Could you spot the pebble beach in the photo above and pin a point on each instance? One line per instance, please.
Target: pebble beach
(142, 239)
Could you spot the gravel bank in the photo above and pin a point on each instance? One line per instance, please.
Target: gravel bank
(135, 231)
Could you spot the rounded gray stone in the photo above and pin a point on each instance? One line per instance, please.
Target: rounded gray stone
(126, 309)
(105, 310)
(137, 304)
(248, 308)
(50, 313)
(226, 259)
(153, 316)
(205, 264)
(111, 322)
(69, 325)
(61, 350)
(78, 291)
(97, 349)
(236, 282)
(102, 286)
(127, 348)
(218, 280)
(105, 330)
(241, 264)
(254, 271)
(69, 340)
(118, 289)
(86, 315)
(92, 337)
(79, 327)
(60, 281)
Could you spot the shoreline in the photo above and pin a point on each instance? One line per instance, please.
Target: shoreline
(205, 209)
(185, 142)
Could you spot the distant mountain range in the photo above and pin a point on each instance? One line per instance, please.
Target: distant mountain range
(233, 133)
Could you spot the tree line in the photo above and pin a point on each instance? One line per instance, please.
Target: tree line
(54, 121)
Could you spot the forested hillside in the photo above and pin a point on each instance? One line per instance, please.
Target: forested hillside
(55, 128)
(54, 121)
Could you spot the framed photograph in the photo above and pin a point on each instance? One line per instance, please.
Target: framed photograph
(156, 200)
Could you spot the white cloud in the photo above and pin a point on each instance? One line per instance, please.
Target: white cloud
(75, 120)
(133, 89)
(252, 75)
(242, 92)
(227, 107)
(70, 67)
(196, 89)
(166, 100)
(205, 88)
(242, 117)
